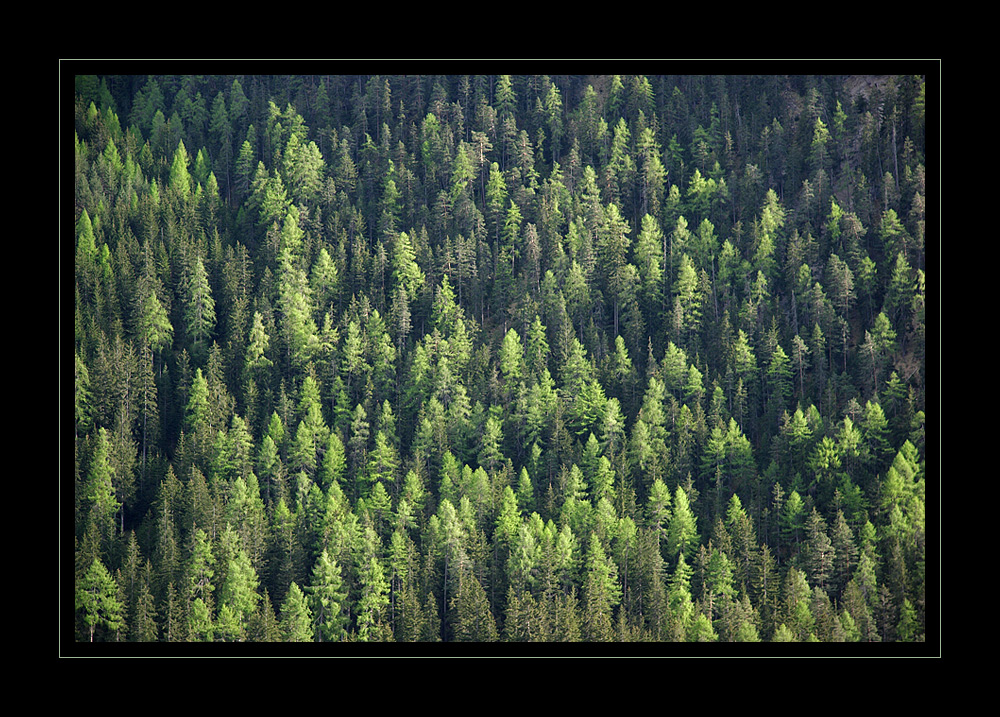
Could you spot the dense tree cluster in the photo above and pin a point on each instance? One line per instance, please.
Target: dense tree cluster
(499, 358)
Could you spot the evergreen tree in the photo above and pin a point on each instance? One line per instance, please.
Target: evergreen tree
(682, 535)
(374, 591)
(328, 599)
(796, 612)
(199, 305)
(180, 178)
(460, 356)
(819, 551)
(100, 486)
(239, 590)
(296, 623)
(602, 593)
(473, 620)
(97, 600)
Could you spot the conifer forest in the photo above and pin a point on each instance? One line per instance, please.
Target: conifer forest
(499, 358)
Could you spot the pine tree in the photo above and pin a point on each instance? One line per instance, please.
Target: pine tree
(845, 552)
(613, 249)
(908, 628)
(331, 334)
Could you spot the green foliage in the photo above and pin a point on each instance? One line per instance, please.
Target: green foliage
(487, 358)
(328, 599)
(296, 617)
(682, 530)
(199, 304)
(97, 600)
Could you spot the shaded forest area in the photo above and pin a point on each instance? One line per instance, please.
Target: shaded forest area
(499, 358)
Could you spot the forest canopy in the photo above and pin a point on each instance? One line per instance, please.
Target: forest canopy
(499, 358)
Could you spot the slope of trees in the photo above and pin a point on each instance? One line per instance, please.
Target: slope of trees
(500, 358)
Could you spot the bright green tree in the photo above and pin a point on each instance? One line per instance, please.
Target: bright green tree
(295, 300)
(373, 595)
(324, 279)
(200, 569)
(239, 590)
(601, 593)
(779, 376)
(900, 292)
(680, 605)
(154, 325)
(201, 626)
(648, 442)
(97, 600)
(259, 342)
(100, 485)
(908, 628)
(296, 623)
(512, 364)
(405, 270)
(795, 606)
(658, 508)
(199, 305)
(328, 598)
(769, 226)
(682, 528)
(180, 178)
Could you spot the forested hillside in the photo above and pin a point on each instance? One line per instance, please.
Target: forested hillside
(513, 358)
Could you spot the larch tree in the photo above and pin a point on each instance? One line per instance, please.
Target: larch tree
(296, 623)
(328, 598)
(199, 304)
(601, 593)
(373, 596)
(154, 324)
(682, 528)
(180, 176)
(100, 485)
(405, 270)
(239, 590)
(97, 600)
